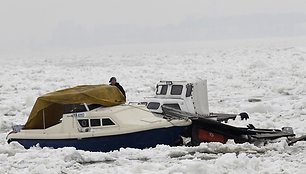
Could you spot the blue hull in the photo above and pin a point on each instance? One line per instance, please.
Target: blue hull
(141, 140)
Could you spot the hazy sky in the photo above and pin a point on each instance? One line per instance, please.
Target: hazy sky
(37, 24)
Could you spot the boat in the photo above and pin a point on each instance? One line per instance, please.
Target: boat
(95, 118)
(189, 100)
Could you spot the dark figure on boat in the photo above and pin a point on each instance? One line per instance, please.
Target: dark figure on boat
(113, 81)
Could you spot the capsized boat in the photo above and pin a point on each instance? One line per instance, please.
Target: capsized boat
(189, 100)
(95, 118)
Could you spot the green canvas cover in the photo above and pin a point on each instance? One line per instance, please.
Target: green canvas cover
(51, 105)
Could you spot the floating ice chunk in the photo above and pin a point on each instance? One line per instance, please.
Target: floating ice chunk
(257, 64)
(261, 108)
(75, 156)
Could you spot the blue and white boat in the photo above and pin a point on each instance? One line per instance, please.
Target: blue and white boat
(65, 119)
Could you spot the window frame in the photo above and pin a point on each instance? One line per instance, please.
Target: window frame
(181, 89)
(172, 104)
(154, 108)
(80, 121)
(163, 90)
(189, 89)
(91, 125)
(102, 124)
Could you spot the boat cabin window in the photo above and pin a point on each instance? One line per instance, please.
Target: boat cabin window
(153, 105)
(107, 122)
(84, 122)
(95, 122)
(162, 89)
(173, 105)
(176, 89)
(189, 90)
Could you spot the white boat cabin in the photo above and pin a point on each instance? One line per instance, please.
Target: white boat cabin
(186, 96)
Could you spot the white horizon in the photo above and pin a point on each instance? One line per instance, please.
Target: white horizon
(36, 25)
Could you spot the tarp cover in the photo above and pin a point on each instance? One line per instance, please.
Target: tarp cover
(51, 105)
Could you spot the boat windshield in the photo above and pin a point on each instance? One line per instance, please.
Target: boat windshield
(73, 108)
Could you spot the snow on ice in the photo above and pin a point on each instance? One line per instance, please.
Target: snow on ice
(273, 73)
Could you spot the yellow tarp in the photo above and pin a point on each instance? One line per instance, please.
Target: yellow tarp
(51, 105)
